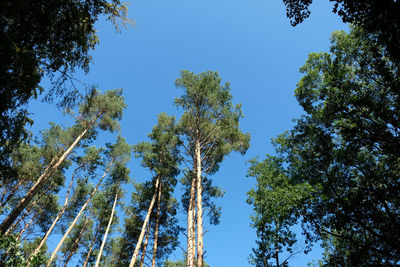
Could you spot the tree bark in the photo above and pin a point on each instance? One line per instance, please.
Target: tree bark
(60, 213)
(41, 180)
(92, 245)
(78, 215)
(153, 262)
(107, 230)
(146, 241)
(199, 207)
(191, 224)
(140, 240)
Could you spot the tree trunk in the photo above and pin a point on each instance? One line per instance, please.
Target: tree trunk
(21, 218)
(92, 245)
(140, 240)
(60, 213)
(107, 230)
(75, 245)
(191, 224)
(199, 208)
(77, 216)
(153, 262)
(41, 180)
(146, 241)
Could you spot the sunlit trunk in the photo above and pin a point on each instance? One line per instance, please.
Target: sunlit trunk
(141, 236)
(107, 230)
(199, 208)
(77, 216)
(41, 180)
(153, 262)
(191, 223)
(75, 245)
(60, 213)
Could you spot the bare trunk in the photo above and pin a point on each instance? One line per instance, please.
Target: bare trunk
(153, 262)
(91, 245)
(146, 241)
(140, 240)
(60, 213)
(77, 216)
(199, 208)
(40, 181)
(75, 245)
(191, 224)
(27, 225)
(107, 230)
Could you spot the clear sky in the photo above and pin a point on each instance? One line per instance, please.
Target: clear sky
(252, 45)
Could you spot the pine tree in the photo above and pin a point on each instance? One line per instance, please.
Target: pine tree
(209, 130)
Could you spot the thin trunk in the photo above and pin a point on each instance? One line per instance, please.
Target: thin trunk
(191, 224)
(41, 180)
(153, 262)
(27, 225)
(75, 245)
(60, 213)
(140, 240)
(107, 230)
(146, 241)
(92, 245)
(199, 208)
(77, 216)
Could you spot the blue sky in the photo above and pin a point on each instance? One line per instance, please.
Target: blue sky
(252, 45)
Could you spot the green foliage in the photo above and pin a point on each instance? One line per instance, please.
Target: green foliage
(346, 148)
(44, 39)
(376, 17)
(277, 205)
(211, 119)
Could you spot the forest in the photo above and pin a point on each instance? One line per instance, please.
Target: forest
(140, 138)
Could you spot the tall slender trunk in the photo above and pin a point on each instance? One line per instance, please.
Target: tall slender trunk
(199, 207)
(107, 229)
(60, 213)
(41, 180)
(191, 224)
(146, 241)
(27, 225)
(153, 262)
(140, 240)
(92, 245)
(75, 245)
(78, 215)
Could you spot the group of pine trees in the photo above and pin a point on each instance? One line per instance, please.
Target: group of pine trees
(69, 191)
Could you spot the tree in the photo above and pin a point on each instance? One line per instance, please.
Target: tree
(209, 130)
(376, 17)
(346, 147)
(276, 205)
(161, 157)
(44, 39)
(117, 155)
(97, 112)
